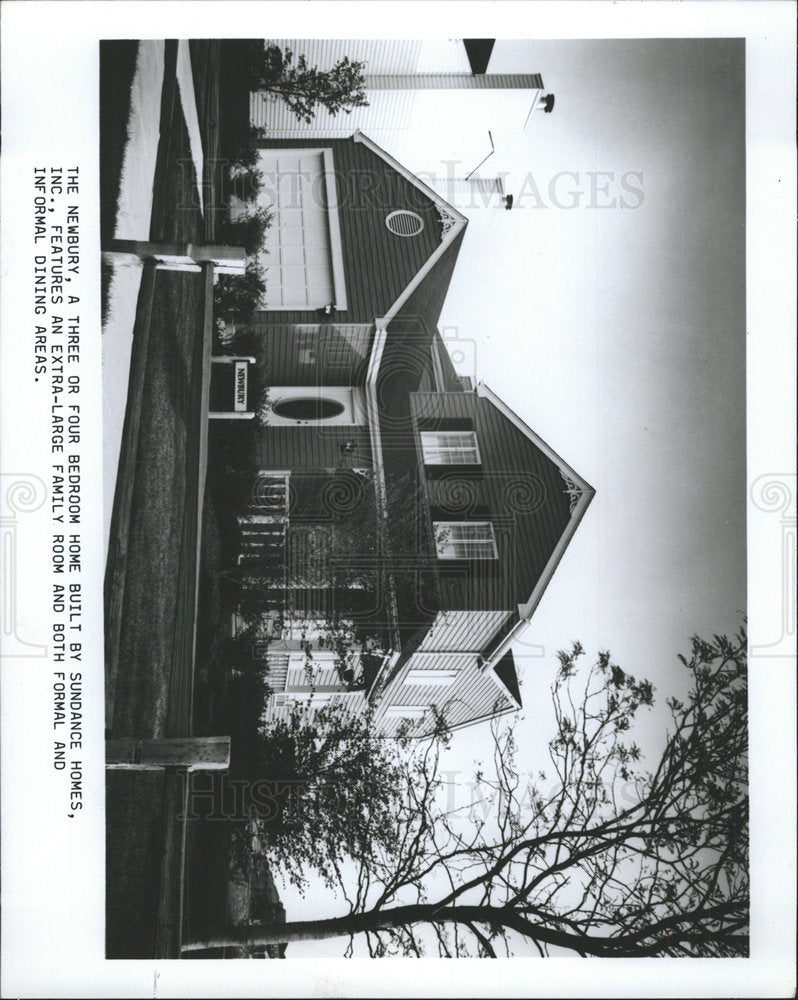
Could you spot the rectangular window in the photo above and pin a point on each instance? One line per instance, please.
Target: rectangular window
(465, 540)
(450, 448)
(436, 678)
(405, 711)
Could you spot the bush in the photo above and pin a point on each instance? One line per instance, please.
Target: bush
(246, 147)
(244, 183)
(237, 297)
(247, 231)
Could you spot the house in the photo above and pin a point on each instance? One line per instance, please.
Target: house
(410, 83)
(405, 523)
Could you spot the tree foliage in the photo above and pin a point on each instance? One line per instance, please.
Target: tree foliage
(598, 857)
(238, 296)
(246, 230)
(304, 88)
(326, 787)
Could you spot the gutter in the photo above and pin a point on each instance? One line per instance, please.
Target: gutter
(372, 409)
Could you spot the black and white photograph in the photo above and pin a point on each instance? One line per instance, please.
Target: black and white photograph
(330, 536)
(406, 487)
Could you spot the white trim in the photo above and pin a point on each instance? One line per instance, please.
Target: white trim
(502, 686)
(405, 711)
(333, 224)
(482, 718)
(437, 525)
(473, 447)
(587, 493)
(373, 418)
(424, 677)
(373, 411)
(404, 213)
(454, 230)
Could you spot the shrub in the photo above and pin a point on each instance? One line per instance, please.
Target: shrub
(244, 183)
(237, 297)
(247, 231)
(246, 147)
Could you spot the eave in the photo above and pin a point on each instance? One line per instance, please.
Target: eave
(583, 491)
(454, 222)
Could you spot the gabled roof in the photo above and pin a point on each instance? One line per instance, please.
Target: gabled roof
(452, 221)
(580, 490)
(506, 672)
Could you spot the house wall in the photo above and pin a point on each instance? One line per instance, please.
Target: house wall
(518, 488)
(284, 448)
(316, 354)
(353, 701)
(463, 630)
(378, 265)
(473, 695)
(401, 65)
(383, 55)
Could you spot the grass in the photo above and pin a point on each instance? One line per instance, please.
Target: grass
(153, 690)
(134, 834)
(150, 620)
(117, 69)
(159, 497)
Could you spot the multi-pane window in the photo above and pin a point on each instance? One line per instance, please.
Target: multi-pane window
(450, 448)
(465, 540)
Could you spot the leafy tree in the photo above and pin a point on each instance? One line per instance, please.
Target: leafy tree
(303, 88)
(601, 858)
(322, 786)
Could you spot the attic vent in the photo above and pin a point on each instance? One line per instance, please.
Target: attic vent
(404, 223)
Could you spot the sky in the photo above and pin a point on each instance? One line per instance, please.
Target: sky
(608, 310)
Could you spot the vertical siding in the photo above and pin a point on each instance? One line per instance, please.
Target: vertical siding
(353, 701)
(339, 353)
(378, 265)
(518, 488)
(314, 448)
(383, 55)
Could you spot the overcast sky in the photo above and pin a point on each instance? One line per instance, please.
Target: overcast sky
(609, 313)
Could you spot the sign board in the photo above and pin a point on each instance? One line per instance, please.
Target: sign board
(240, 386)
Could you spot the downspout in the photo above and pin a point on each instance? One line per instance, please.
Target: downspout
(372, 408)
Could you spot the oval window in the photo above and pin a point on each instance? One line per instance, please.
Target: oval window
(308, 408)
(404, 223)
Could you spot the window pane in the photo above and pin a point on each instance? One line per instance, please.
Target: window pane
(465, 540)
(452, 448)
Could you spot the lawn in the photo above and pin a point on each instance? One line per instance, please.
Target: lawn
(156, 689)
(117, 68)
(152, 558)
